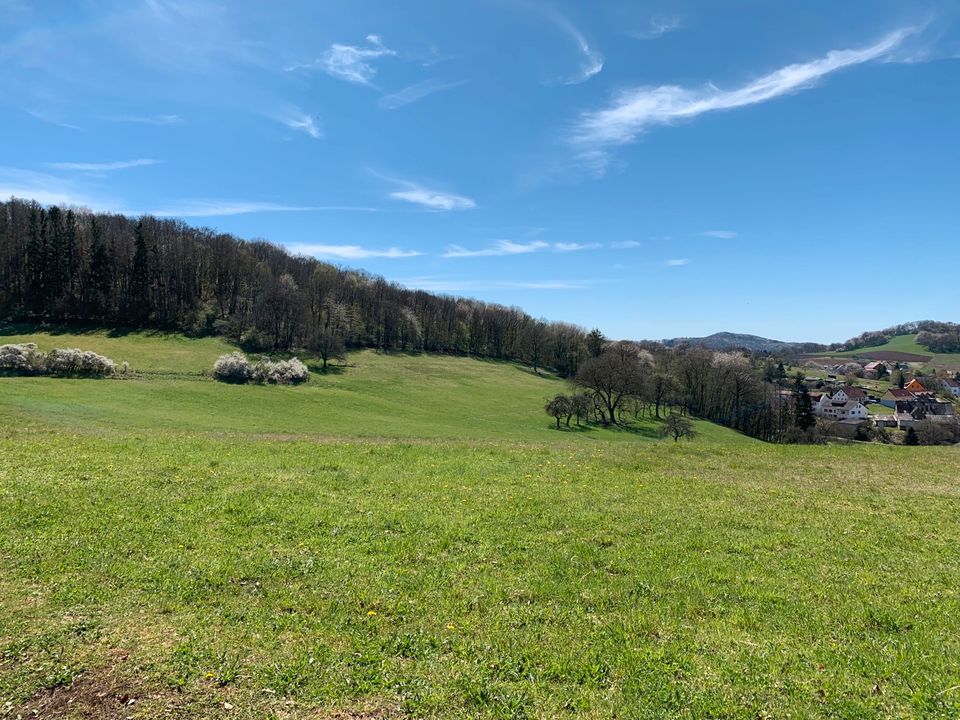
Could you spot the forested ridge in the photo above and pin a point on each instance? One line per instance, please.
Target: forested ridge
(64, 265)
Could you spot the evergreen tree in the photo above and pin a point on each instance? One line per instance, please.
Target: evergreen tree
(803, 412)
(595, 342)
(911, 438)
(139, 295)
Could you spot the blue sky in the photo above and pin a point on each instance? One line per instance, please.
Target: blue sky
(655, 169)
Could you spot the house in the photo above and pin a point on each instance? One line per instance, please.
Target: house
(849, 410)
(894, 395)
(951, 386)
(850, 393)
(915, 386)
(873, 369)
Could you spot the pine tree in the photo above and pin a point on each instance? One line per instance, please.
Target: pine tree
(803, 412)
(911, 438)
(139, 295)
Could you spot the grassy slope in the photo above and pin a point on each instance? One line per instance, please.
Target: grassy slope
(376, 395)
(906, 344)
(534, 574)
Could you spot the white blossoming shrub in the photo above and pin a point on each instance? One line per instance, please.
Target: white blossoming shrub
(233, 368)
(22, 359)
(289, 372)
(73, 361)
(237, 368)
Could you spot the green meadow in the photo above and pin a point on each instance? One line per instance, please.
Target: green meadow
(407, 536)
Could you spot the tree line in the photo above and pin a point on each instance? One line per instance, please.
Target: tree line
(67, 265)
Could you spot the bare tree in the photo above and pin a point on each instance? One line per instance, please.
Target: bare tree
(613, 377)
(559, 407)
(676, 426)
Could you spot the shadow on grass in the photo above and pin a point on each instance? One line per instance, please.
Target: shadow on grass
(12, 328)
(647, 429)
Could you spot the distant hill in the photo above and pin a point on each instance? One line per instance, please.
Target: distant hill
(739, 341)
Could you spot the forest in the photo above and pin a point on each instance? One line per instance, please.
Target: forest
(72, 266)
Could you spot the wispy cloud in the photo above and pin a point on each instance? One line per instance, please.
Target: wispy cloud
(301, 122)
(634, 111)
(51, 120)
(222, 208)
(658, 27)
(144, 119)
(677, 262)
(432, 199)
(500, 247)
(591, 59)
(104, 166)
(45, 189)
(625, 244)
(574, 247)
(350, 252)
(418, 91)
(721, 234)
(446, 285)
(509, 247)
(351, 63)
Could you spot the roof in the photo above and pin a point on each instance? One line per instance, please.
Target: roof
(900, 393)
(874, 365)
(850, 404)
(854, 392)
(950, 382)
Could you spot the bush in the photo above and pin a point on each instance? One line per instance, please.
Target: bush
(25, 359)
(289, 372)
(73, 361)
(233, 368)
(237, 368)
(22, 359)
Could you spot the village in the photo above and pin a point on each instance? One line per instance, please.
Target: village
(850, 396)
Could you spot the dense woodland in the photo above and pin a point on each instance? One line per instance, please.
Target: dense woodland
(62, 265)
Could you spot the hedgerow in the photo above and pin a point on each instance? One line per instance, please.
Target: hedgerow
(26, 359)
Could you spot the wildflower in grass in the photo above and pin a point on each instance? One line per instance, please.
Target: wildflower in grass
(371, 613)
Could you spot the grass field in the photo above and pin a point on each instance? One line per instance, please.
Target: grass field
(407, 537)
(906, 344)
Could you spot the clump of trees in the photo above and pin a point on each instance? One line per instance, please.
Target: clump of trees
(237, 368)
(26, 359)
(626, 379)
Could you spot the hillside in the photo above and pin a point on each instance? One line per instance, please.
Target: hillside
(903, 348)
(407, 537)
(736, 341)
(371, 395)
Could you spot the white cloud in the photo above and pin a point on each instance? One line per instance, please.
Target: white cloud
(509, 247)
(350, 62)
(591, 59)
(500, 247)
(145, 119)
(47, 118)
(105, 166)
(413, 93)
(46, 189)
(433, 199)
(221, 208)
(634, 111)
(677, 262)
(302, 122)
(444, 285)
(573, 247)
(658, 27)
(721, 234)
(349, 252)
(625, 244)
